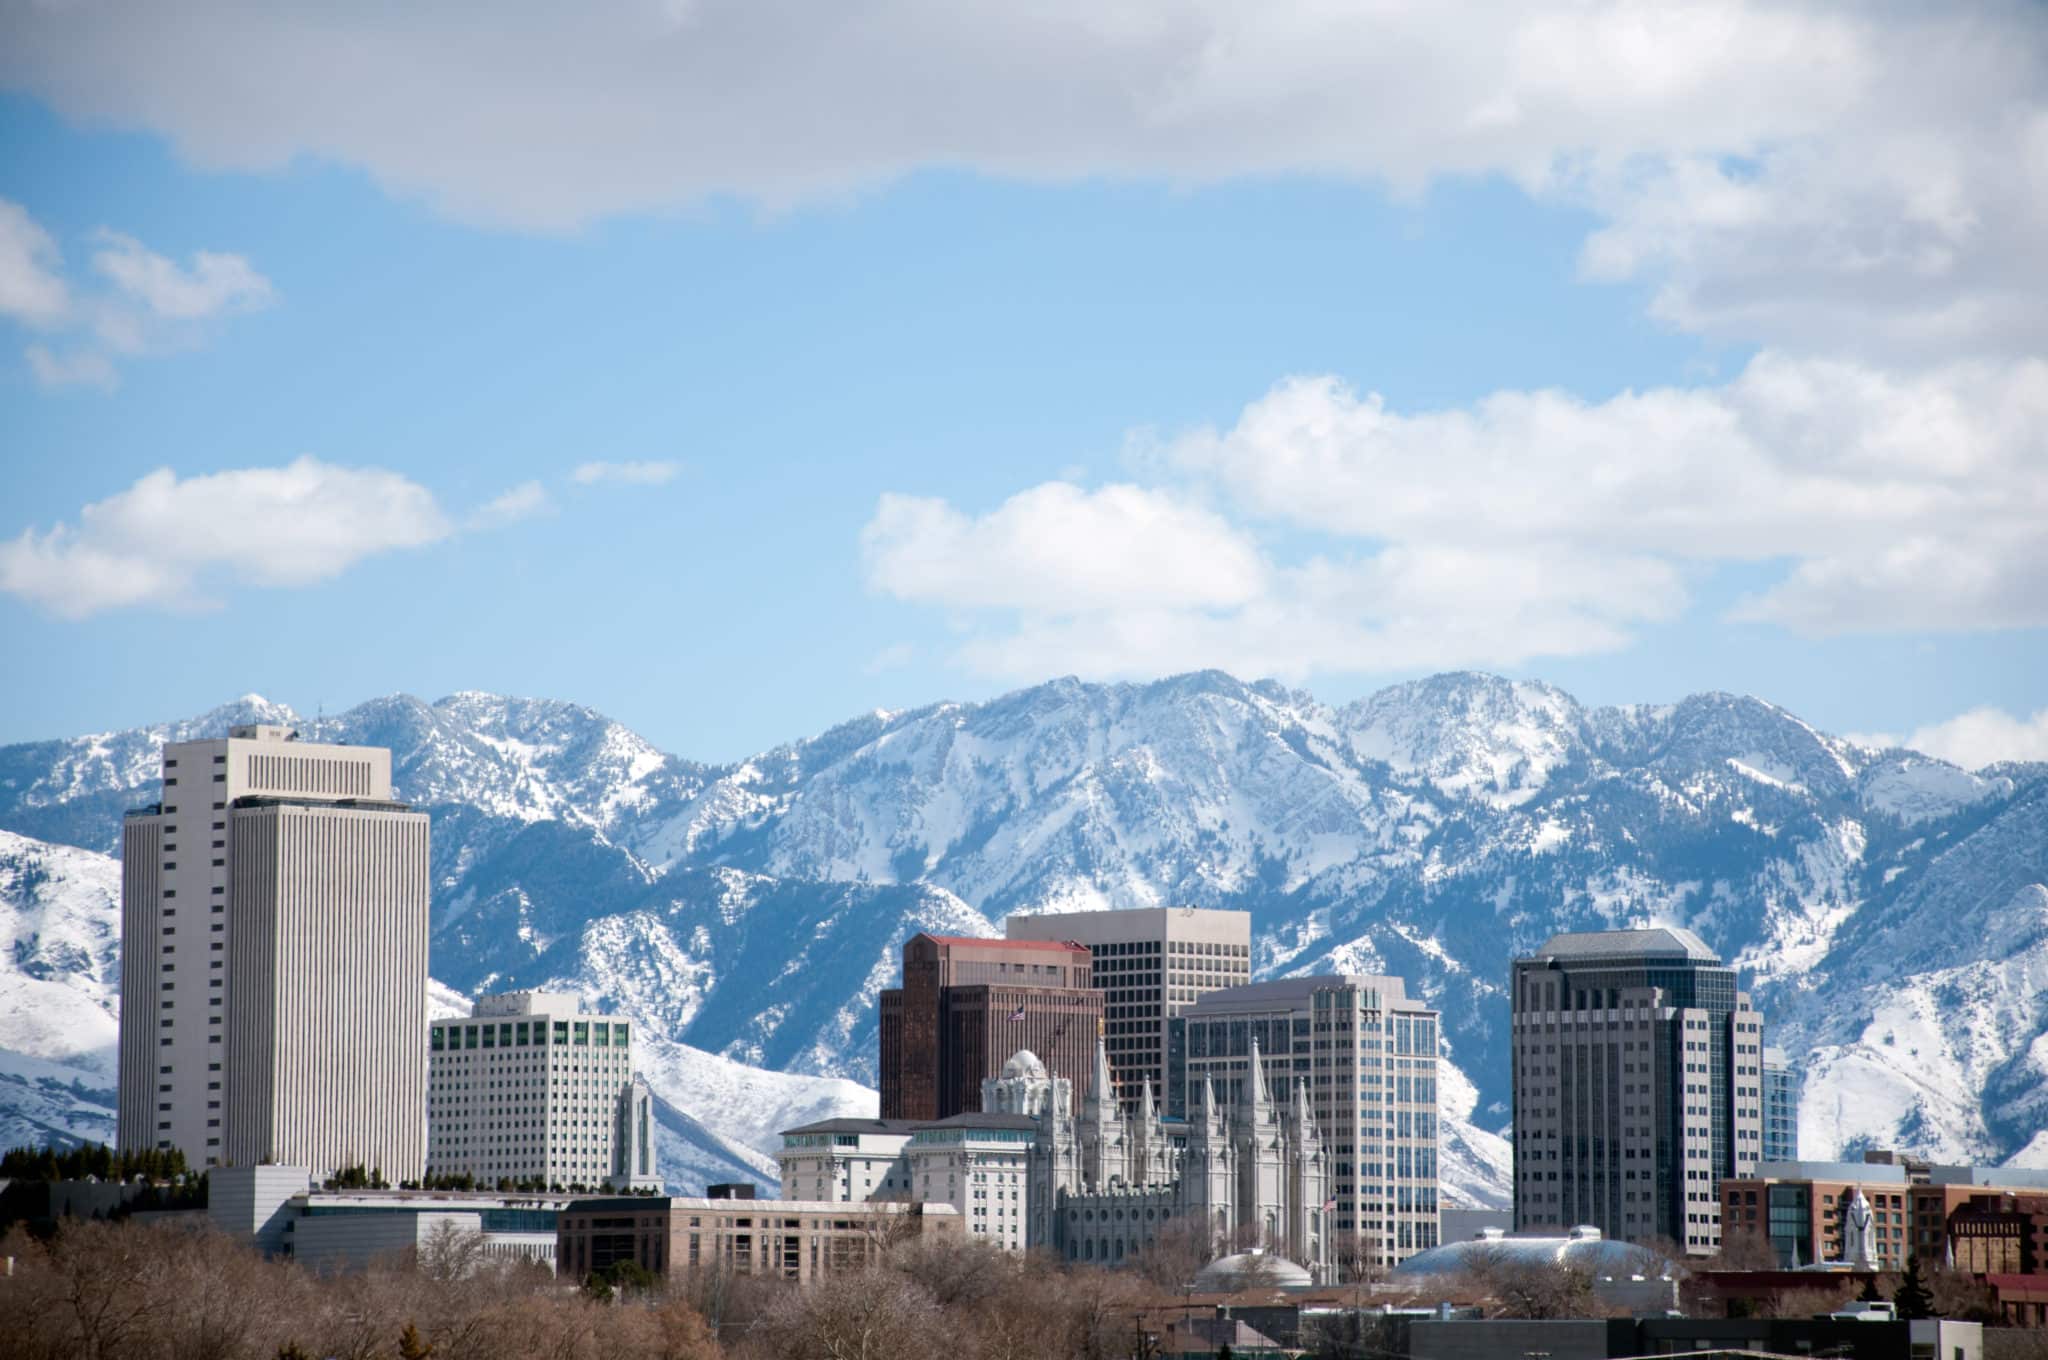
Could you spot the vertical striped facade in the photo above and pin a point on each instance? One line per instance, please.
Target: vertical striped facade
(326, 1061)
(273, 939)
(146, 1041)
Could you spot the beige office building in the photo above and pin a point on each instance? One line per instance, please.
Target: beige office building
(274, 959)
(530, 1088)
(1151, 963)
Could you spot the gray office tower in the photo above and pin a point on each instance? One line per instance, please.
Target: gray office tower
(274, 959)
(1638, 1085)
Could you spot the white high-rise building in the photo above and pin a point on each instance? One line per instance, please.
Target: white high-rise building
(274, 959)
(1150, 964)
(531, 1088)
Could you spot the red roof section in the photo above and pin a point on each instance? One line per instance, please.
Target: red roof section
(1067, 945)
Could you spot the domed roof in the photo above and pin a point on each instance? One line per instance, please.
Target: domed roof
(1252, 1268)
(1024, 1063)
(1583, 1248)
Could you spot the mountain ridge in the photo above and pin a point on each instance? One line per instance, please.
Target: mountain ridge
(753, 909)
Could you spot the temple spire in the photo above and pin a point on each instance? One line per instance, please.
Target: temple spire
(1101, 1105)
(1261, 1101)
(1145, 1110)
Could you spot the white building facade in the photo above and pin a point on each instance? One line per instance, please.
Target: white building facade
(274, 959)
(979, 1164)
(531, 1090)
(847, 1161)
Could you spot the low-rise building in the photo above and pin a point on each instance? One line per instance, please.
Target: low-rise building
(1808, 1211)
(1604, 1338)
(847, 1161)
(793, 1239)
(281, 1211)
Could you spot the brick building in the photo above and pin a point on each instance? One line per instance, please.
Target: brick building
(967, 1004)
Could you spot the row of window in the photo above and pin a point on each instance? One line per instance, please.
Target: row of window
(527, 1034)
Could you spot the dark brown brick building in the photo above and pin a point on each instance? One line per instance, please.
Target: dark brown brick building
(966, 1005)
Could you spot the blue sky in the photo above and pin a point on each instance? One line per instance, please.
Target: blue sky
(970, 413)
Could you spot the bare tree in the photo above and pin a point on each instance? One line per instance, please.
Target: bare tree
(1182, 1246)
(1744, 1249)
(451, 1252)
(1806, 1302)
(865, 1315)
(1360, 1257)
(1961, 1295)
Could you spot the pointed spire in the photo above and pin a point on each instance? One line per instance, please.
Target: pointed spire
(1145, 1110)
(1101, 1105)
(1304, 1115)
(1208, 1103)
(1260, 1100)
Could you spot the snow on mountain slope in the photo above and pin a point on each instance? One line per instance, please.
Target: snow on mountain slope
(60, 924)
(1433, 830)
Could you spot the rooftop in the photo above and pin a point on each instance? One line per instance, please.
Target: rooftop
(1299, 991)
(982, 942)
(899, 1126)
(976, 1119)
(1655, 942)
(1583, 1248)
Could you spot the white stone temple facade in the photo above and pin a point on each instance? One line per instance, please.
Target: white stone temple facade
(1102, 1185)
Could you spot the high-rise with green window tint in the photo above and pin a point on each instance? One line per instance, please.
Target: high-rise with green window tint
(529, 1088)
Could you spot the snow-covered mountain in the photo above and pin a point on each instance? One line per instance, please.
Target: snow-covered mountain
(748, 914)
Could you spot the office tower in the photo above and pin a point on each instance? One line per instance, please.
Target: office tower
(1781, 1108)
(274, 959)
(530, 1088)
(1369, 1056)
(967, 1004)
(1150, 963)
(1638, 1085)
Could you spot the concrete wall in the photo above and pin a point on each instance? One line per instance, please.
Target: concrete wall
(254, 1202)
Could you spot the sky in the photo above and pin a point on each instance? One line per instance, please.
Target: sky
(735, 367)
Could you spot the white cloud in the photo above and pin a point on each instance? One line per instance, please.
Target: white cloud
(215, 283)
(79, 368)
(1130, 580)
(627, 473)
(1057, 547)
(1980, 737)
(1530, 524)
(523, 501)
(165, 541)
(153, 303)
(1789, 173)
(32, 287)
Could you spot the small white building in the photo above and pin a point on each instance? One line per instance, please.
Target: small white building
(846, 1161)
(979, 1164)
(531, 1089)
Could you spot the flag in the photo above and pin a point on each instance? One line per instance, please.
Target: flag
(1330, 1206)
(1017, 1014)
